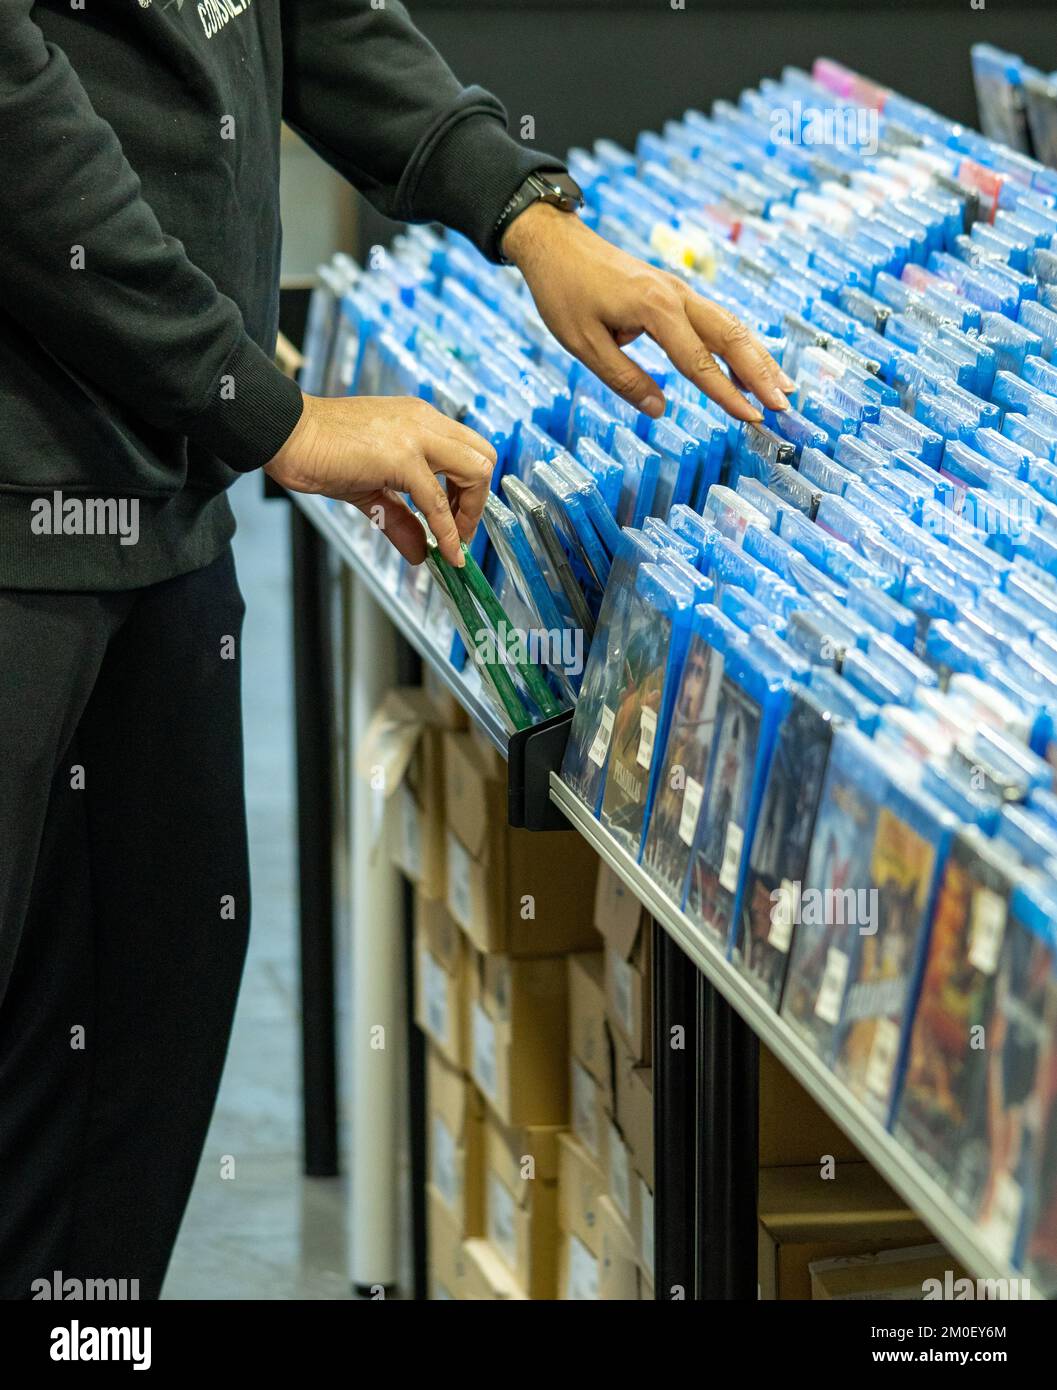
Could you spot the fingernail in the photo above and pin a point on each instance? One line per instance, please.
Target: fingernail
(781, 400)
(653, 406)
(756, 418)
(787, 381)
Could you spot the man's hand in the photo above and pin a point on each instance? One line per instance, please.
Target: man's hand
(596, 299)
(367, 450)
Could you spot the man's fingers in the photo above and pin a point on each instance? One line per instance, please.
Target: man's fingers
(468, 470)
(435, 420)
(402, 527)
(622, 375)
(429, 497)
(676, 335)
(741, 350)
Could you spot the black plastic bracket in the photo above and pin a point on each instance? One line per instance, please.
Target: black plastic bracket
(727, 1150)
(532, 756)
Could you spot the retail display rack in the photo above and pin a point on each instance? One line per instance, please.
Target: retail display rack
(705, 1092)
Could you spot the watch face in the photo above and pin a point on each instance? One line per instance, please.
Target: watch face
(562, 190)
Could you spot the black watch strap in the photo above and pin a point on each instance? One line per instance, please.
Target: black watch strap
(552, 186)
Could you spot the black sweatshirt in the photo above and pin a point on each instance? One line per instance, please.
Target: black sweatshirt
(139, 249)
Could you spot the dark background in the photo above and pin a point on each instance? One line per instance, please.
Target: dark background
(586, 68)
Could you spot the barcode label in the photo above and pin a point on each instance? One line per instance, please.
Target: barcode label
(883, 1053)
(728, 874)
(460, 903)
(1003, 1227)
(693, 793)
(444, 1170)
(436, 983)
(600, 747)
(585, 1122)
(831, 995)
(783, 915)
(619, 1173)
(501, 1220)
(583, 1271)
(647, 735)
(484, 1069)
(987, 928)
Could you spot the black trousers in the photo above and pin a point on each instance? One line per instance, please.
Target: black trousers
(124, 914)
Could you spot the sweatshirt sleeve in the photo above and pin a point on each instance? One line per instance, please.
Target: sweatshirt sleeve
(371, 95)
(87, 270)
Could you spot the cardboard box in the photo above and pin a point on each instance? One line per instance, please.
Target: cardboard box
(511, 891)
(442, 980)
(627, 931)
(402, 757)
(447, 1264)
(590, 1041)
(518, 1037)
(634, 1112)
(889, 1274)
(589, 1120)
(804, 1217)
(581, 1183)
(449, 713)
(579, 1270)
(455, 1143)
(521, 1203)
(794, 1130)
(487, 1277)
(618, 1275)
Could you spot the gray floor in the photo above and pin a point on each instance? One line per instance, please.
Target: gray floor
(265, 1232)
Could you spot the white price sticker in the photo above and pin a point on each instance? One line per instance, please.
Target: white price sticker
(501, 1228)
(583, 1271)
(784, 902)
(883, 1053)
(831, 994)
(436, 983)
(460, 898)
(986, 930)
(693, 793)
(444, 1171)
(1001, 1226)
(585, 1122)
(600, 747)
(647, 736)
(619, 1173)
(728, 873)
(484, 1067)
(622, 989)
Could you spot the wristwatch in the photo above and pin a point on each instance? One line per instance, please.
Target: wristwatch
(552, 186)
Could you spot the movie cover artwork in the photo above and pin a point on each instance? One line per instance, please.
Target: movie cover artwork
(681, 783)
(636, 717)
(886, 940)
(716, 858)
(838, 875)
(781, 845)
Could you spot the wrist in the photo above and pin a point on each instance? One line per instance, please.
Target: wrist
(531, 231)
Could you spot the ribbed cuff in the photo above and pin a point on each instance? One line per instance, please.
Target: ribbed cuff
(253, 413)
(468, 170)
